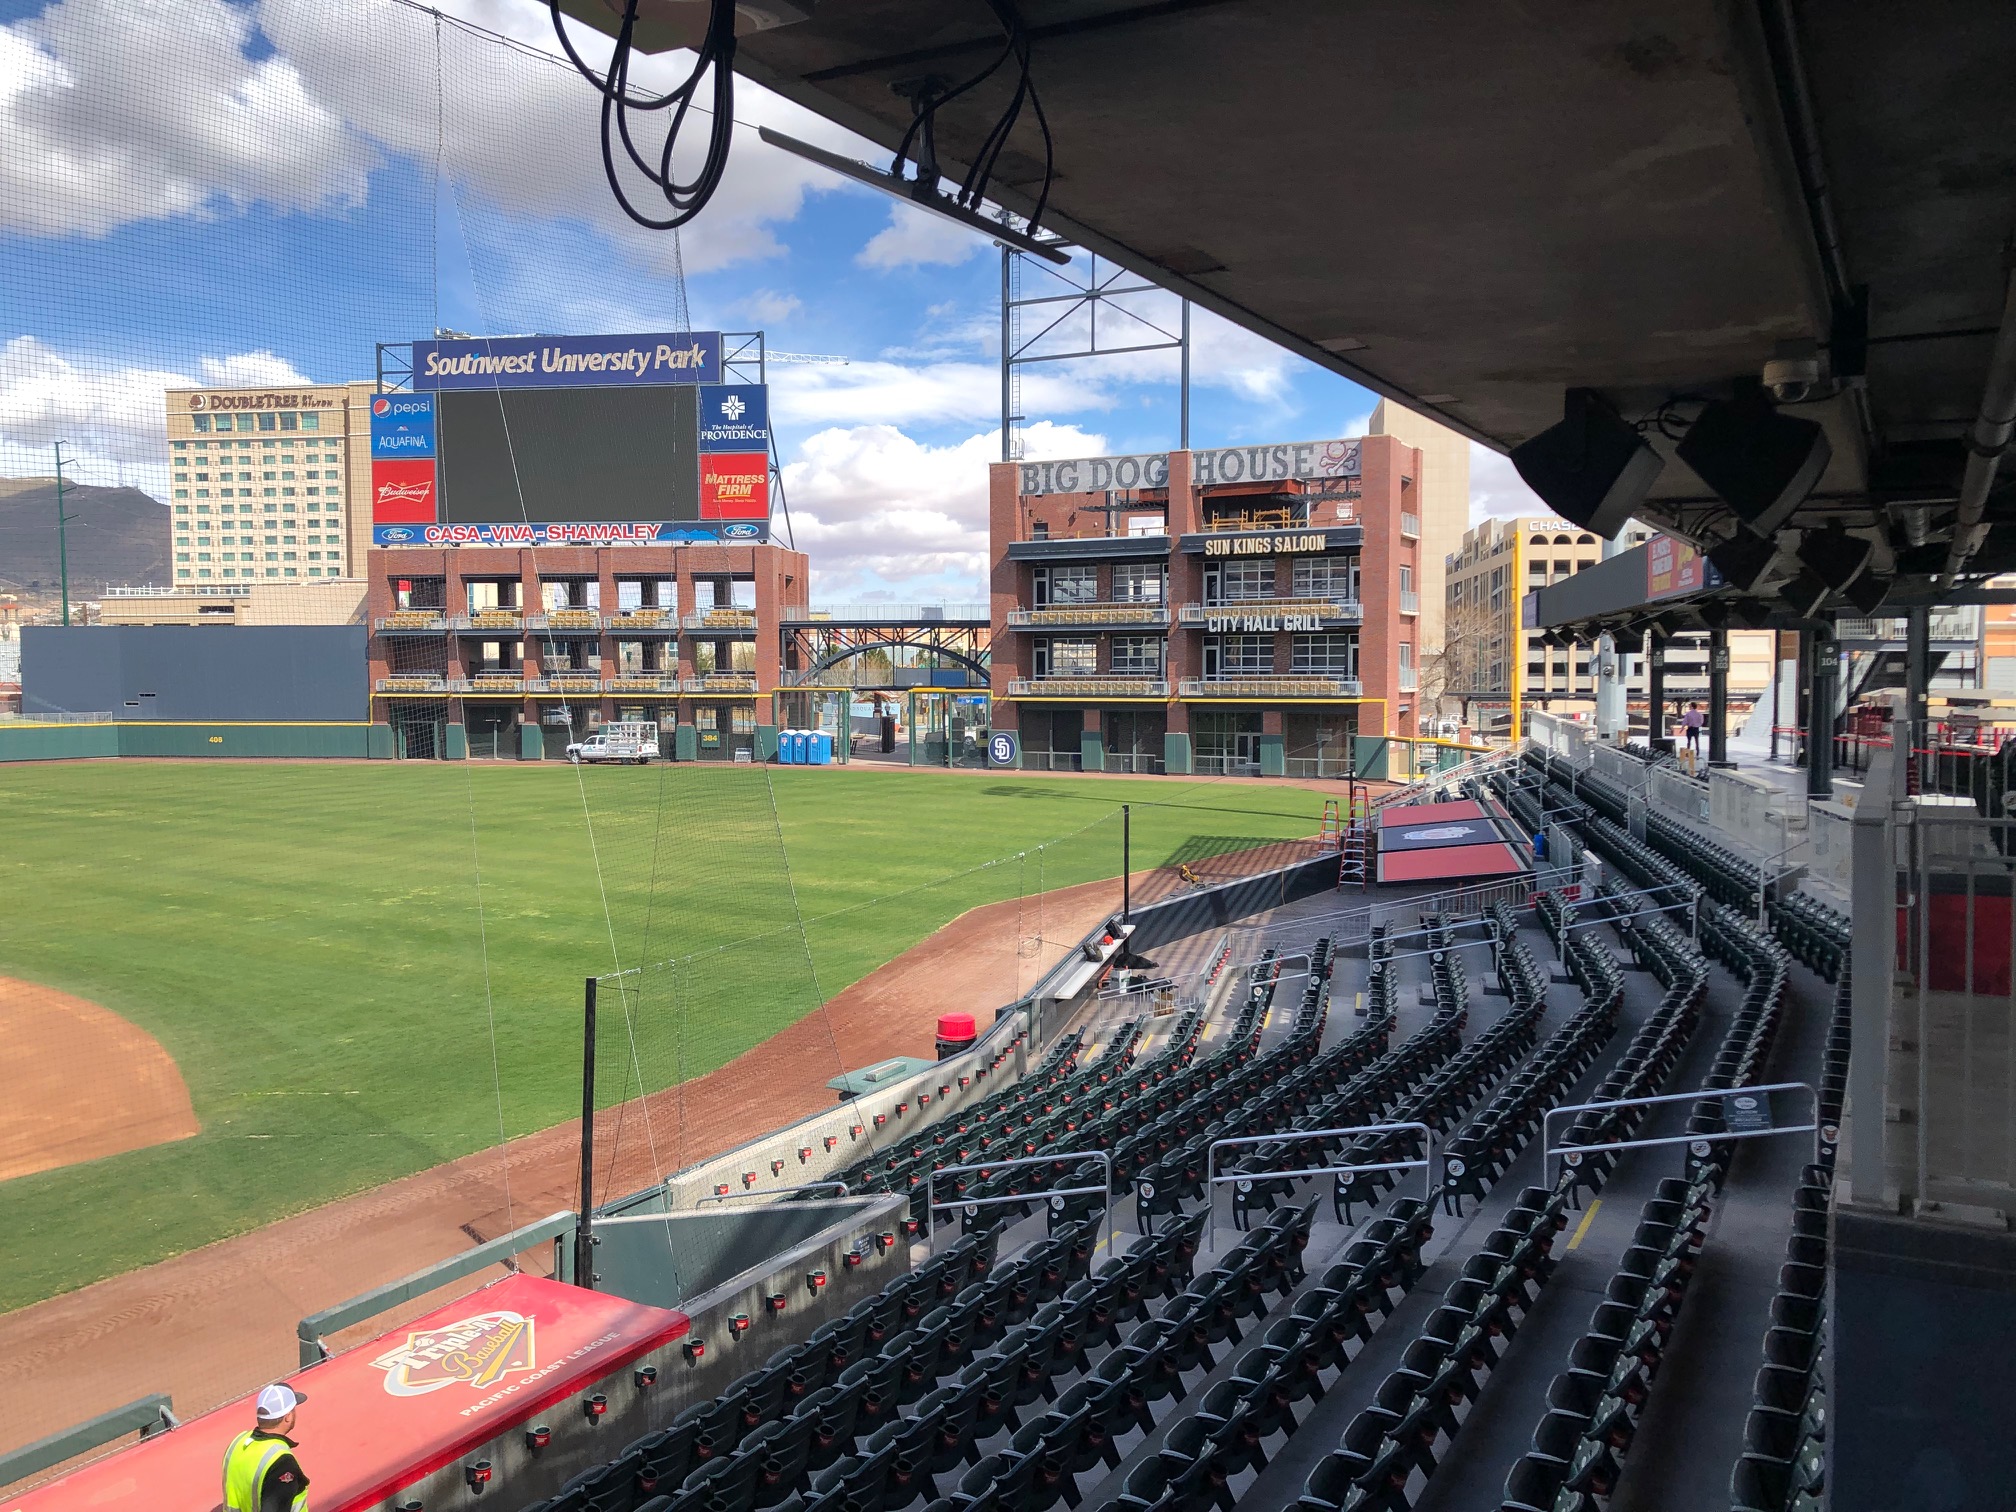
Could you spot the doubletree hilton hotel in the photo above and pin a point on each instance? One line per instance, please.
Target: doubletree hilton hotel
(1247, 611)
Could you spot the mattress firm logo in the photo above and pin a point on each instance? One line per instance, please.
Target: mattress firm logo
(475, 1352)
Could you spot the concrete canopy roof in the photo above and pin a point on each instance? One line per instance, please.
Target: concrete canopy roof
(1472, 205)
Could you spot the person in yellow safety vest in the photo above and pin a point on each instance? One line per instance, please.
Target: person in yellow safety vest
(261, 1473)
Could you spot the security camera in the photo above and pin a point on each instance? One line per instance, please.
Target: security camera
(1792, 378)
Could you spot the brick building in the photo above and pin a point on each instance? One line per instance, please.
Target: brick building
(1252, 610)
(516, 651)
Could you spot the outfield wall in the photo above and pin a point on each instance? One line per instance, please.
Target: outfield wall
(29, 741)
(241, 675)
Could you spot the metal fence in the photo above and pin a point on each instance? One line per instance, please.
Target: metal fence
(1952, 1064)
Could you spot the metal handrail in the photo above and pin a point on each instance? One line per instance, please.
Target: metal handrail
(810, 1186)
(1699, 1142)
(150, 1415)
(1104, 1157)
(1212, 1178)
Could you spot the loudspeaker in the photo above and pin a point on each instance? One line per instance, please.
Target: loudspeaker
(1743, 558)
(1804, 595)
(1836, 557)
(1761, 462)
(1593, 467)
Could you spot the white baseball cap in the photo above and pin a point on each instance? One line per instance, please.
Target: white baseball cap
(275, 1402)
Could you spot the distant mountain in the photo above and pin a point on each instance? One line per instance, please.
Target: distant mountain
(116, 535)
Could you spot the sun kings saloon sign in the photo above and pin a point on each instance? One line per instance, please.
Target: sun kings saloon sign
(1306, 460)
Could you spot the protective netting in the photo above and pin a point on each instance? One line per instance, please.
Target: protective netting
(361, 971)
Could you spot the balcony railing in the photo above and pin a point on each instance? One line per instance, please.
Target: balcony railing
(720, 682)
(565, 619)
(489, 682)
(1079, 616)
(1410, 524)
(487, 619)
(1294, 685)
(1410, 680)
(411, 621)
(641, 682)
(634, 621)
(565, 682)
(1287, 517)
(721, 619)
(1089, 687)
(1337, 611)
(1942, 625)
(1410, 601)
(414, 682)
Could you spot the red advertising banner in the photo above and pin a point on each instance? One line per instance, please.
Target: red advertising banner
(402, 492)
(1672, 567)
(377, 1418)
(734, 486)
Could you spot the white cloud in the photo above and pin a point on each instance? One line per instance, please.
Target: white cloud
(881, 512)
(768, 307)
(892, 393)
(125, 110)
(121, 111)
(915, 238)
(1496, 489)
(251, 370)
(110, 419)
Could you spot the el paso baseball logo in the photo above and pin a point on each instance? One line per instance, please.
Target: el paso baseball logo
(475, 1352)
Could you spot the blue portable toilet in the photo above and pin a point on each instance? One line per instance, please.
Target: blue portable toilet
(822, 747)
(792, 744)
(785, 755)
(800, 752)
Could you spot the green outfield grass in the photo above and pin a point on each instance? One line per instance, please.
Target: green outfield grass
(305, 940)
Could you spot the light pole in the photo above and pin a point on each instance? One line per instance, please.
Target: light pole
(62, 536)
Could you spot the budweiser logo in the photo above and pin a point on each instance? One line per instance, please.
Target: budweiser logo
(404, 493)
(476, 1352)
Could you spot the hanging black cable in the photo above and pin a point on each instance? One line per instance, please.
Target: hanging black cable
(716, 53)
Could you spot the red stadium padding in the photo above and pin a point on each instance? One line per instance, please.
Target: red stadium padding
(1427, 842)
(1494, 860)
(379, 1417)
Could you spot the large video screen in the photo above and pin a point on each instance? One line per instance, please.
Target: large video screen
(569, 454)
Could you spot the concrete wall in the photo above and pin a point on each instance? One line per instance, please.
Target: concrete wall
(269, 674)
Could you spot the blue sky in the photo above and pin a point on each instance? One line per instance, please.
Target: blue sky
(247, 192)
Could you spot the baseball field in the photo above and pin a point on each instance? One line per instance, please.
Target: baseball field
(332, 955)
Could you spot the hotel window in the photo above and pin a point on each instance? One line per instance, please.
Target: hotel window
(181, 556)
(288, 492)
(272, 572)
(1244, 655)
(314, 572)
(181, 446)
(181, 477)
(202, 572)
(200, 422)
(245, 477)
(290, 422)
(268, 445)
(202, 493)
(314, 556)
(291, 572)
(1058, 586)
(289, 541)
(1325, 577)
(314, 493)
(1067, 658)
(285, 477)
(1138, 583)
(1238, 581)
(1137, 655)
(269, 421)
(311, 422)
(202, 556)
(182, 493)
(1334, 655)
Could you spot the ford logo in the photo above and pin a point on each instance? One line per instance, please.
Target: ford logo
(741, 530)
(396, 533)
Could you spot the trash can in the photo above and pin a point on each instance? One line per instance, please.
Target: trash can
(955, 1034)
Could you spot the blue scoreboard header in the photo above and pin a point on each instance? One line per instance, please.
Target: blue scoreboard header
(529, 362)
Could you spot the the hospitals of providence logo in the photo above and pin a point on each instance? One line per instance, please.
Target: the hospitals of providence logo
(732, 407)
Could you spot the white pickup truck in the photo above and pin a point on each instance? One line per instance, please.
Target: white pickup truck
(633, 741)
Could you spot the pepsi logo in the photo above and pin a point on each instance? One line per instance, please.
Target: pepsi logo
(381, 406)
